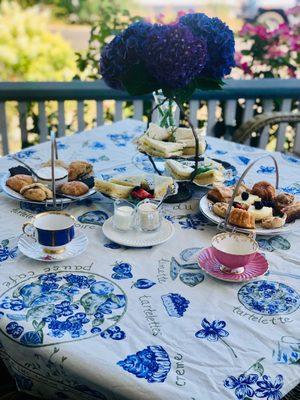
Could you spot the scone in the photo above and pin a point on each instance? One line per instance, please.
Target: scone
(36, 192)
(17, 182)
(220, 194)
(273, 222)
(264, 190)
(241, 218)
(292, 212)
(220, 209)
(283, 200)
(74, 188)
(77, 169)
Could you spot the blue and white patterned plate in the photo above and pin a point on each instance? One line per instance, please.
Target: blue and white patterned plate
(32, 249)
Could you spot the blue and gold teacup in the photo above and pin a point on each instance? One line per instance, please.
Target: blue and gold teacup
(53, 230)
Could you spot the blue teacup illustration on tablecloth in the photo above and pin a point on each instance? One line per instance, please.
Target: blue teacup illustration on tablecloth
(288, 351)
(53, 230)
(96, 217)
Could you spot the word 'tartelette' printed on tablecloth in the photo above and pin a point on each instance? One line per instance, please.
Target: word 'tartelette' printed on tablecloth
(59, 307)
(269, 298)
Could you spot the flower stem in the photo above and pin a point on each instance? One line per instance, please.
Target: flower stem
(230, 348)
(258, 361)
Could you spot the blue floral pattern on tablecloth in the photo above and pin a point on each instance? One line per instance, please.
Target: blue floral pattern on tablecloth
(120, 139)
(7, 252)
(175, 304)
(59, 307)
(122, 270)
(152, 363)
(269, 298)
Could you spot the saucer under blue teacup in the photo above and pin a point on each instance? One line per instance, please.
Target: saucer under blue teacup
(53, 230)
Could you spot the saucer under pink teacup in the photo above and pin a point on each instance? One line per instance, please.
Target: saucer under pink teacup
(234, 251)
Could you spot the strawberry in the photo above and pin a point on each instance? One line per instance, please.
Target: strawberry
(141, 194)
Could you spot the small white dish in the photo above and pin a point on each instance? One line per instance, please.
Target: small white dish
(134, 238)
(32, 249)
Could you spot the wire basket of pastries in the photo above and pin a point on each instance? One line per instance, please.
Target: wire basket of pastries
(73, 182)
(260, 209)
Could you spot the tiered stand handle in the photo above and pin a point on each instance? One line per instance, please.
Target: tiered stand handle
(224, 225)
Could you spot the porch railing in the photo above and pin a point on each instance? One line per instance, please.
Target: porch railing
(240, 99)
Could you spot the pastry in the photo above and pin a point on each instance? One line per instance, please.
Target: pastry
(74, 188)
(273, 222)
(17, 182)
(36, 192)
(292, 212)
(220, 194)
(242, 188)
(77, 169)
(260, 212)
(246, 198)
(241, 218)
(220, 209)
(283, 200)
(264, 190)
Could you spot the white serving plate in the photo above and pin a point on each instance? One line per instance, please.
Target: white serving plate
(205, 206)
(135, 238)
(63, 200)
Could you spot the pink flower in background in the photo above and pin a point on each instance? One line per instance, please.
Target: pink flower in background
(246, 68)
(160, 18)
(275, 52)
(293, 11)
(255, 30)
(238, 57)
(295, 43)
(247, 29)
(292, 72)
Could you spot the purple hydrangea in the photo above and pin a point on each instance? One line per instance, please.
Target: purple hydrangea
(174, 55)
(146, 57)
(220, 43)
(122, 53)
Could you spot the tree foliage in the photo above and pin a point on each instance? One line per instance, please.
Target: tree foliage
(28, 51)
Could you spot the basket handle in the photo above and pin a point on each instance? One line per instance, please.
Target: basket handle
(225, 225)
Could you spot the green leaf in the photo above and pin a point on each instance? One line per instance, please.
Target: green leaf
(209, 84)
(202, 170)
(98, 321)
(258, 368)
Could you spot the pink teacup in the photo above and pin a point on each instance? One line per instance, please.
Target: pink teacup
(234, 251)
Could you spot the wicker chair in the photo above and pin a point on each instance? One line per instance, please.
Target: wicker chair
(260, 126)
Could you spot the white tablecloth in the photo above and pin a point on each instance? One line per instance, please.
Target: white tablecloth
(119, 323)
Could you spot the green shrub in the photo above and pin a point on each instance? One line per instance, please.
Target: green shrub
(28, 51)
